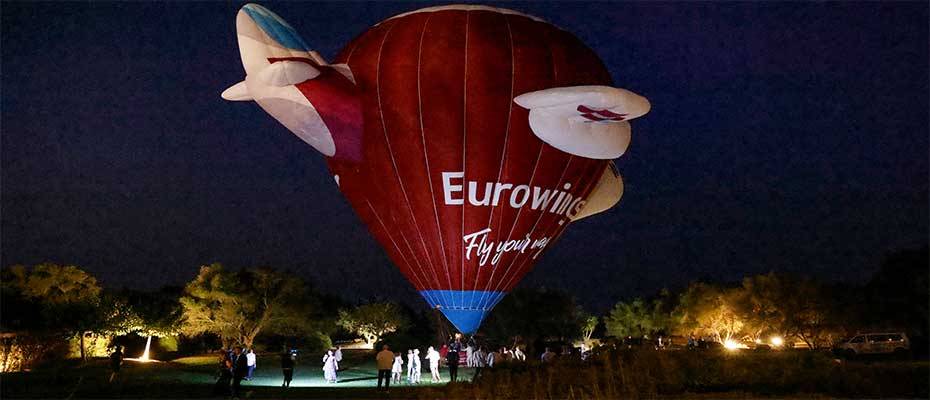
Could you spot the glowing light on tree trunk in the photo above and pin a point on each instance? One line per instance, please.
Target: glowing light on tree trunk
(145, 354)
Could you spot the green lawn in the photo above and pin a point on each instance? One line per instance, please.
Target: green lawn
(193, 377)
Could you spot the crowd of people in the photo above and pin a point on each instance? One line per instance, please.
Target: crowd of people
(238, 364)
(453, 355)
(235, 365)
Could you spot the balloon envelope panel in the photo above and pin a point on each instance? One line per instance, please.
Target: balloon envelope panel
(452, 182)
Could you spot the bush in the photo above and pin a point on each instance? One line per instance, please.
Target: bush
(647, 373)
(24, 352)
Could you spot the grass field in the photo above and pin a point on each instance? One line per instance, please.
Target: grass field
(626, 374)
(193, 377)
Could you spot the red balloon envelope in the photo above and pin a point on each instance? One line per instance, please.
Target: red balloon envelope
(467, 138)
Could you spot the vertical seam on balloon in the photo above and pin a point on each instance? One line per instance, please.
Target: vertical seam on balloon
(388, 234)
(387, 141)
(542, 213)
(516, 219)
(500, 170)
(542, 147)
(593, 182)
(429, 176)
(419, 270)
(464, 148)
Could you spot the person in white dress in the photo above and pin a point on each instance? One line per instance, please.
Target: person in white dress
(330, 366)
(397, 370)
(470, 356)
(410, 366)
(433, 357)
(417, 367)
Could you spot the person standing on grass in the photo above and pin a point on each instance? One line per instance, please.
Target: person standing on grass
(397, 369)
(452, 358)
(252, 362)
(116, 361)
(547, 356)
(470, 355)
(330, 366)
(481, 361)
(443, 352)
(287, 367)
(224, 375)
(409, 366)
(385, 360)
(433, 357)
(417, 367)
(240, 370)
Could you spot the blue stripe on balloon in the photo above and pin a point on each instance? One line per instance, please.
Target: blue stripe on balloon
(275, 27)
(464, 308)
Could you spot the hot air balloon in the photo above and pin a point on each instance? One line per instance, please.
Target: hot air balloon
(467, 138)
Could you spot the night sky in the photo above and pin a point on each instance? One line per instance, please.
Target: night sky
(789, 137)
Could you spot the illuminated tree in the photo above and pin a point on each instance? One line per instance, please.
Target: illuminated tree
(371, 321)
(238, 306)
(641, 317)
(709, 310)
(68, 300)
(587, 328)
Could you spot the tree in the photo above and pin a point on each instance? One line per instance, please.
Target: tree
(709, 310)
(238, 306)
(587, 328)
(68, 300)
(636, 318)
(535, 314)
(811, 314)
(372, 321)
(761, 304)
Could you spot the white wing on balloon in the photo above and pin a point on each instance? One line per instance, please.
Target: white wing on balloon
(276, 59)
(586, 121)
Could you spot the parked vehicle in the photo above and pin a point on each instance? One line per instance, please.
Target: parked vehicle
(875, 343)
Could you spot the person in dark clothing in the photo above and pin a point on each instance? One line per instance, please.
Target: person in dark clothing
(240, 371)
(116, 360)
(452, 358)
(224, 375)
(287, 367)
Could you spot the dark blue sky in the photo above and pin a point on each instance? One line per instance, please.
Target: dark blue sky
(787, 137)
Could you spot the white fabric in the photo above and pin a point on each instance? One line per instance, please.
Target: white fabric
(250, 359)
(556, 117)
(605, 195)
(433, 357)
(330, 367)
(398, 364)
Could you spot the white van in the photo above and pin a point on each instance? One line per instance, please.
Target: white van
(875, 343)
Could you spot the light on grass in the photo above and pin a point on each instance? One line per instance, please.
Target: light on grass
(145, 354)
(148, 345)
(733, 345)
(777, 341)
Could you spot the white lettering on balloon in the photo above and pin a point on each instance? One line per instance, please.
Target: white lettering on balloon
(477, 244)
(456, 191)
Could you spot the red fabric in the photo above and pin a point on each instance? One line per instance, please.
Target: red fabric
(436, 93)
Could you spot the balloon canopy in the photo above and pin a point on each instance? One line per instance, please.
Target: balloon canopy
(467, 138)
